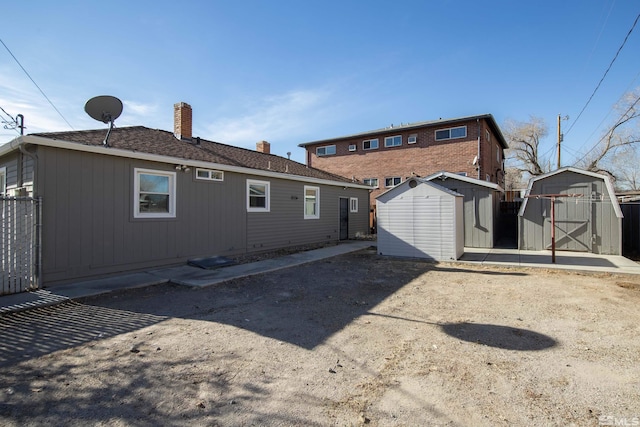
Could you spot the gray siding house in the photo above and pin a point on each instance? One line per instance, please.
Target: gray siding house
(481, 207)
(151, 198)
(587, 214)
(420, 219)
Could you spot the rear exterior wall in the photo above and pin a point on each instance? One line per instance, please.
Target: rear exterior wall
(425, 157)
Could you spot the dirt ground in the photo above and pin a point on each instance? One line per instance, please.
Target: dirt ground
(352, 340)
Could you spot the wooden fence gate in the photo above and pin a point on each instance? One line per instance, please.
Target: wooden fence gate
(20, 226)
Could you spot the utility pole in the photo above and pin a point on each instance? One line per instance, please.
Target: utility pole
(560, 136)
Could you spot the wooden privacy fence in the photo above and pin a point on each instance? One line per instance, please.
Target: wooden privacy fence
(19, 244)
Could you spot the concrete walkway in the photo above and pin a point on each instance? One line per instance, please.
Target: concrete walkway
(197, 277)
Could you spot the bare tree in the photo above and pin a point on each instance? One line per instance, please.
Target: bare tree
(625, 164)
(524, 138)
(608, 156)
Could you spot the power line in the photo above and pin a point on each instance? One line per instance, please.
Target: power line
(9, 124)
(605, 74)
(34, 82)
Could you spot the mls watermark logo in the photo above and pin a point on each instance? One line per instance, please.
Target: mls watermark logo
(610, 420)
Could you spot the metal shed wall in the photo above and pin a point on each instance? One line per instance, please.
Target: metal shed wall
(480, 212)
(422, 222)
(587, 224)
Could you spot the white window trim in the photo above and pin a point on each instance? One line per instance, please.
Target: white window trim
(391, 177)
(317, 214)
(267, 185)
(210, 175)
(412, 139)
(435, 133)
(3, 181)
(325, 149)
(352, 147)
(136, 194)
(370, 141)
(373, 186)
(353, 204)
(392, 138)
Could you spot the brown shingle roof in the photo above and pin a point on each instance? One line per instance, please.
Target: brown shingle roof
(152, 141)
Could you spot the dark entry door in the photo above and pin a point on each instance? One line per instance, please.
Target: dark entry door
(344, 219)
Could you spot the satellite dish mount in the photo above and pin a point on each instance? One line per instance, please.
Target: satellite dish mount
(105, 109)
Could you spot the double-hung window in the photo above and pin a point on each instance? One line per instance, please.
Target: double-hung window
(311, 202)
(353, 204)
(258, 196)
(393, 141)
(154, 194)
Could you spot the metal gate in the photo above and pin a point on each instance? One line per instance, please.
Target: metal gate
(20, 237)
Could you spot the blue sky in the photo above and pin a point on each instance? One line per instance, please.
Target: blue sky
(297, 71)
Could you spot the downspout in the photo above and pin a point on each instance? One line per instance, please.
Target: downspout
(479, 158)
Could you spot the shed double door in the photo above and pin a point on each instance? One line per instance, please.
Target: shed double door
(572, 219)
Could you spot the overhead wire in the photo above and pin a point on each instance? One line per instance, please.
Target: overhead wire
(605, 74)
(36, 84)
(9, 124)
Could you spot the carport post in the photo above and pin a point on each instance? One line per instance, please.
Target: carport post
(553, 230)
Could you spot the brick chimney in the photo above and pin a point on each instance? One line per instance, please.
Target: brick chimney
(263, 147)
(182, 120)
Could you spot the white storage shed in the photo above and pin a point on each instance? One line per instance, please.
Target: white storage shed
(420, 219)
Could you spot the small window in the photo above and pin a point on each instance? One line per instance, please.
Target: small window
(393, 141)
(353, 204)
(451, 133)
(488, 177)
(258, 196)
(498, 154)
(352, 147)
(311, 202)
(209, 175)
(413, 138)
(154, 194)
(326, 150)
(392, 181)
(3, 181)
(462, 173)
(488, 134)
(370, 144)
(373, 182)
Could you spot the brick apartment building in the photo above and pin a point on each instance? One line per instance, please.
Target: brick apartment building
(471, 146)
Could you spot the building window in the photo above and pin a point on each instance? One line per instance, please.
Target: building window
(392, 181)
(462, 173)
(498, 154)
(311, 202)
(353, 204)
(352, 147)
(258, 196)
(451, 133)
(373, 182)
(488, 177)
(327, 150)
(209, 175)
(413, 138)
(393, 141)
(370, 144)
(154, 194)
(3, 181)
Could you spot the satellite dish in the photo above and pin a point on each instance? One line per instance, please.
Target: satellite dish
(105, 109)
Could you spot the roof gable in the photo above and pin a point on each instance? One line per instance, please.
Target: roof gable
(448, 175)
(428, 187)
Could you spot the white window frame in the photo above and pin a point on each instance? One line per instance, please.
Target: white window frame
(267, 207)
(449, 133)
(352, 147)
(353, 204)
(210, 175)
(316, 214)
(3, 181)
(394, 179)
(412, 139)
(371, 142)
(137, 172)
(392, 138)
(371, 179)
(324, 153)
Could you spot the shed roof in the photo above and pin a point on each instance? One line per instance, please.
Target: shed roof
(448, 175)
(153, 144)
(400, 188)
(417, 125)
(605, 178)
